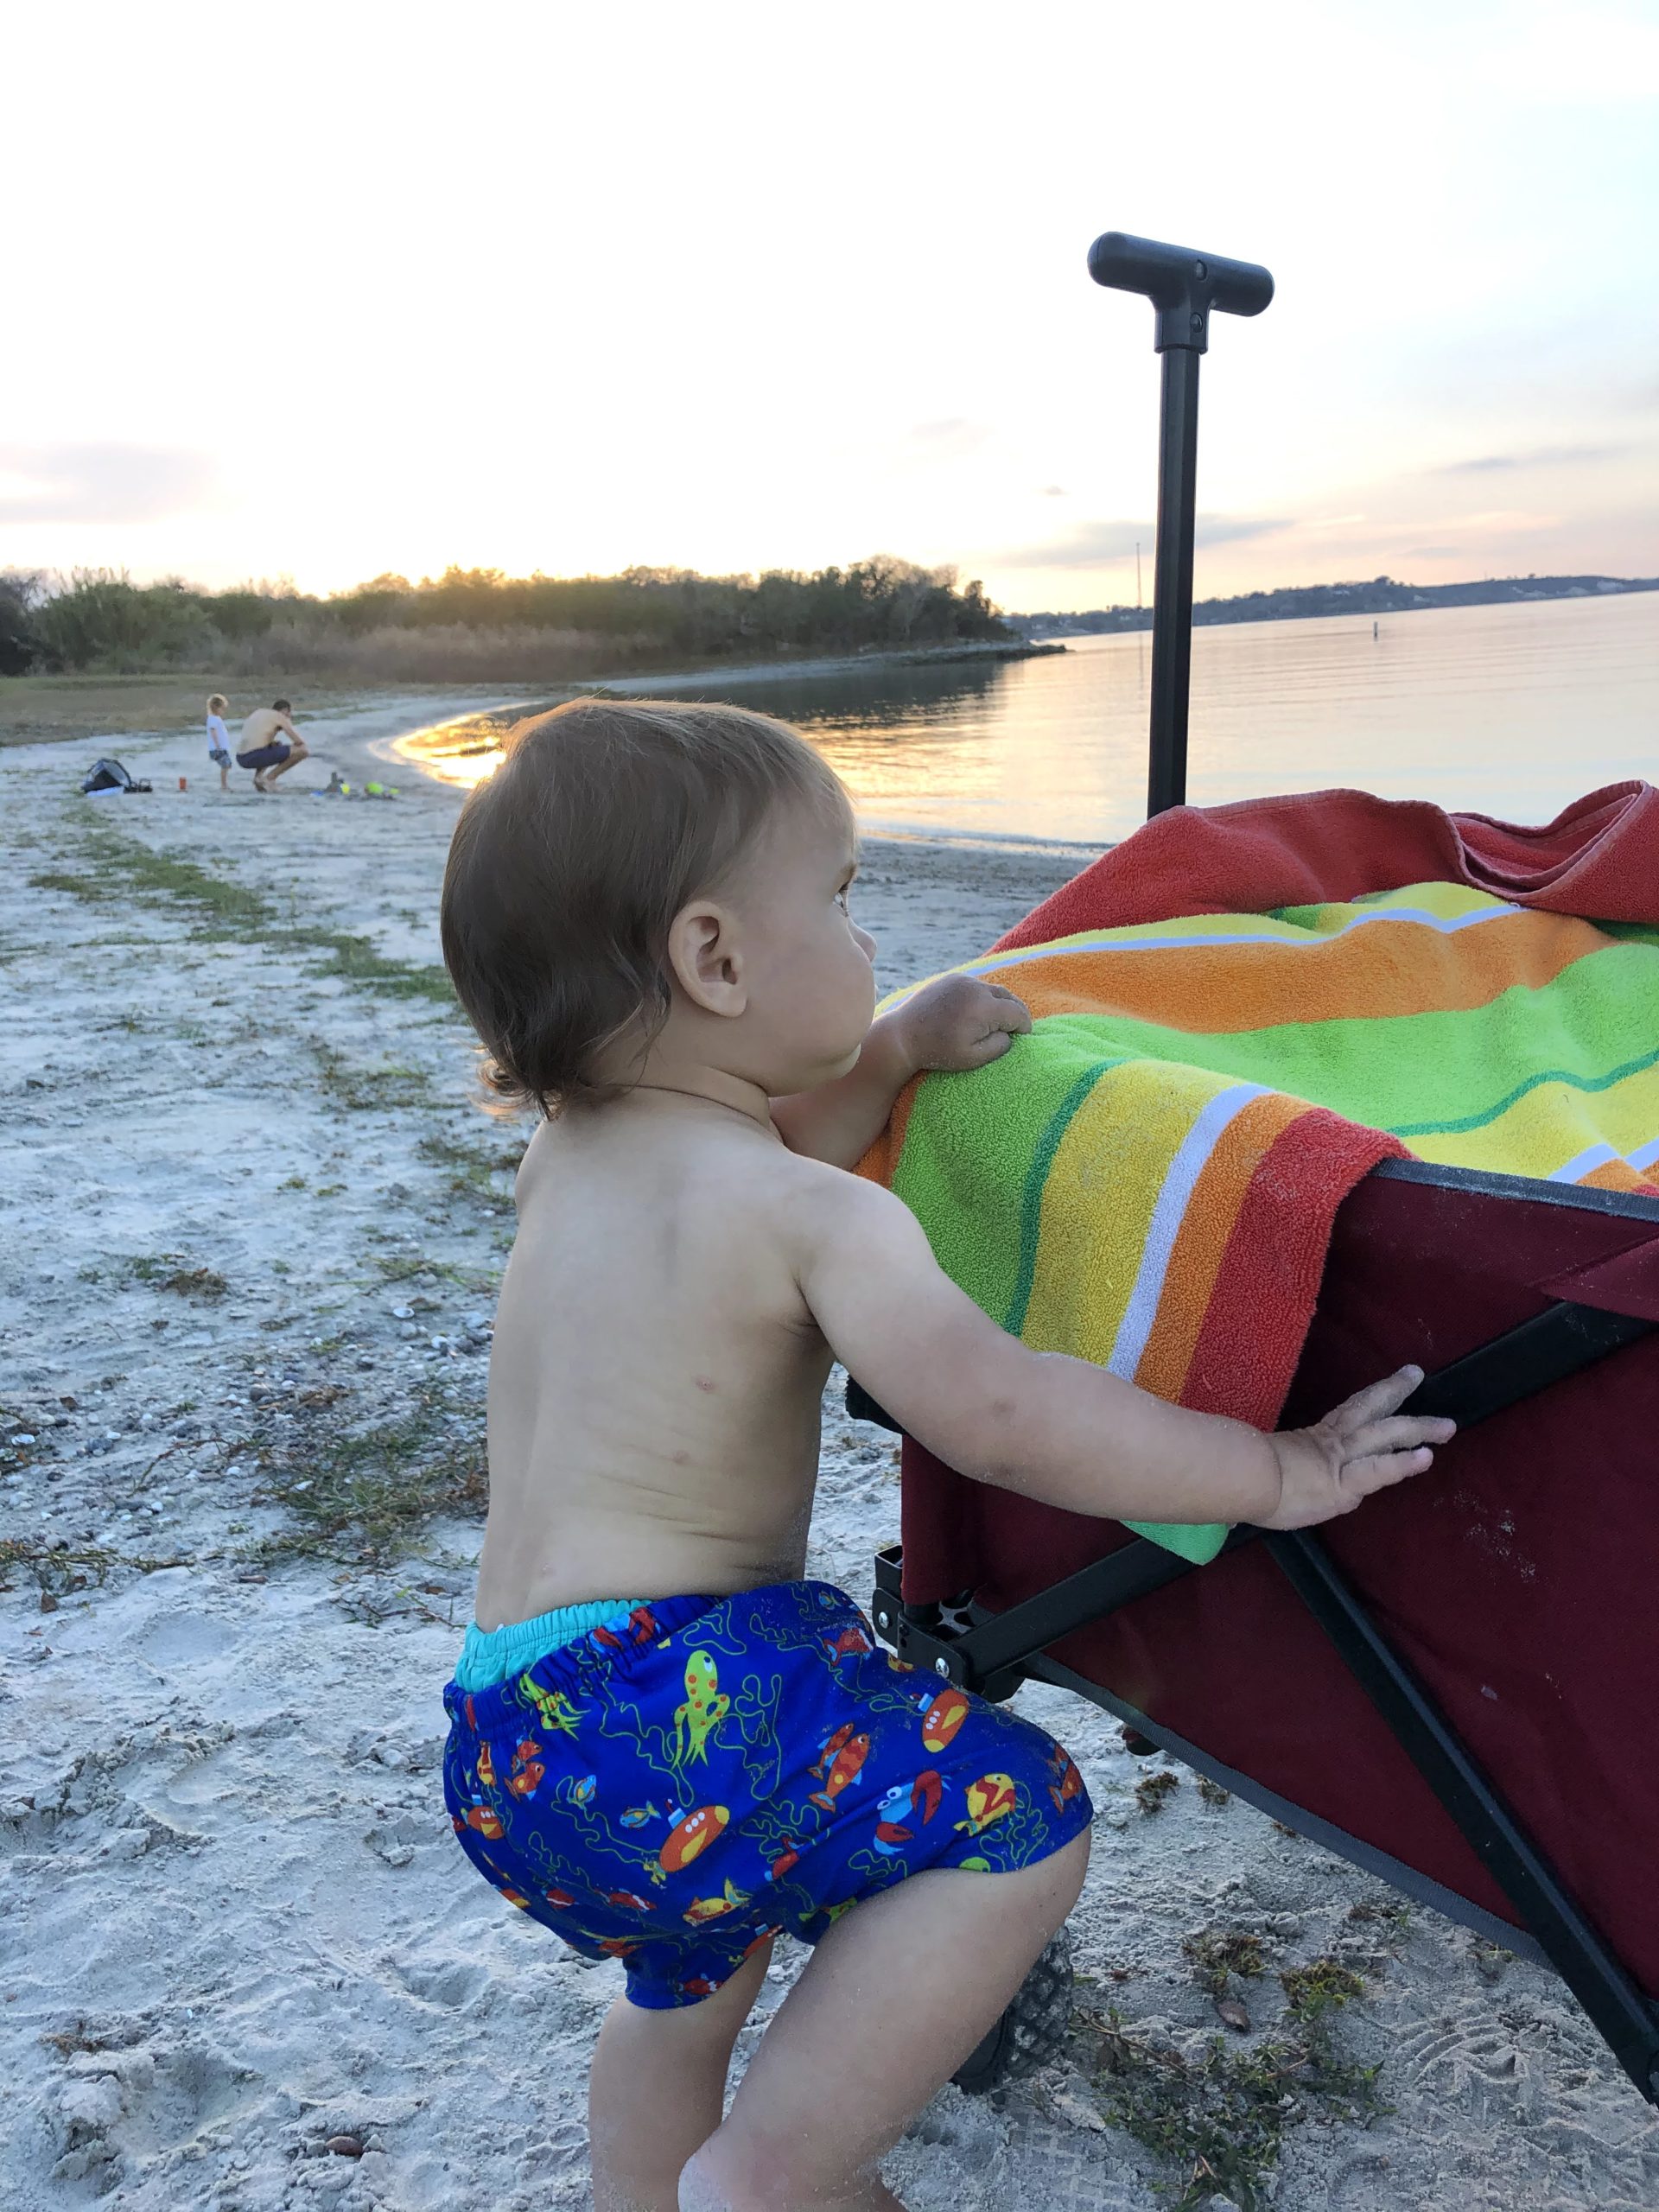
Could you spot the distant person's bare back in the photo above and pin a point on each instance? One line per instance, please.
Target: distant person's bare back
(271, 745)
(264, 726)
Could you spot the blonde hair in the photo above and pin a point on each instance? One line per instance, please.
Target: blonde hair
(568, 866)
(219, 704)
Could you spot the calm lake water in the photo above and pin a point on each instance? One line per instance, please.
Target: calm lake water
(1509, 710)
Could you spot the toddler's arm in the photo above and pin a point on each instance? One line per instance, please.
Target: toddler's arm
(955, 1023)
(1062, 1429)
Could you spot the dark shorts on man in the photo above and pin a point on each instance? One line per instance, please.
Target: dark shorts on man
(265, 756)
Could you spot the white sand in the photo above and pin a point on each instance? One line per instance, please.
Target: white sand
(233, 1921)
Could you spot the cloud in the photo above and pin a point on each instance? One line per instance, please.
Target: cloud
(1053, 491)
(1089, 544)
(951, 438)
(101, 483)
(1540, 457)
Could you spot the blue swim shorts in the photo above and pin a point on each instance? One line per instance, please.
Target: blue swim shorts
(264, 757)
(694, 1777)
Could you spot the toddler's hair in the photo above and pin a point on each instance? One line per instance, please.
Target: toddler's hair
(219, 704)
(569, 865)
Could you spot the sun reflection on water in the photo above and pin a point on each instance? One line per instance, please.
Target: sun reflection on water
(1512, 709)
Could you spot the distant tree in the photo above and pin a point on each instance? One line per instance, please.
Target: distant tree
(373, 605)
(244, 612)
(20, 593)
(101, 619)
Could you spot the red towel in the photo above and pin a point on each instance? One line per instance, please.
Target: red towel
(1598, 858)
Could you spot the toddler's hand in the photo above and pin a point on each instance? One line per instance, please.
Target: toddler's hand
(1365, 1445)
(959, 1022)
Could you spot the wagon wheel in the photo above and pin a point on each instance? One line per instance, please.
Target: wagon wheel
(1030, 2032)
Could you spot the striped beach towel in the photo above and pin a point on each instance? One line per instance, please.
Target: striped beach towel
(1149, 1180)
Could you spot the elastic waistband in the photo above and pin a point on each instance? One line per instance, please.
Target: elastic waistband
(622, 1642)
(490, 1656)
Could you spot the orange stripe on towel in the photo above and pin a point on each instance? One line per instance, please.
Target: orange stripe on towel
(1388, 968)
(1202, 1239)
(880, 1163)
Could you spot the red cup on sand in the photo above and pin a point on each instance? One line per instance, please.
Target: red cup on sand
(184, 784)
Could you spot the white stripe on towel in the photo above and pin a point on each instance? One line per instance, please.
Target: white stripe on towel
(1184, 1171)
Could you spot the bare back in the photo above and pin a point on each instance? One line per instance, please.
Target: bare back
(656, 1377)
(264, 726)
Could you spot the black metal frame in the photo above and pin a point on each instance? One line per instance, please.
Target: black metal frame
(992, 1653)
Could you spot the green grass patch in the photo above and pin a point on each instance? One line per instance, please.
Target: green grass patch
(355, 960)
(1312, 1993)
(361, 1497)
(162, 1271)
(60, 1569)
(1219, 2119)
(364, 1090)
(1216, 1954)
(123, 863)
(117, 867)
(471, 1171)
(77, 887)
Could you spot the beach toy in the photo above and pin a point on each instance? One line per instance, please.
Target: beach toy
(1455, 1687)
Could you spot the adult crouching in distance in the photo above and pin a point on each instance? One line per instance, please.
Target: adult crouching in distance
(270, 744)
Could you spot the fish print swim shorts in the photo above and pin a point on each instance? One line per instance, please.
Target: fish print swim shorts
(695, 1775)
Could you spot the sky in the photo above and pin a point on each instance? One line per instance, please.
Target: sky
(366, 286)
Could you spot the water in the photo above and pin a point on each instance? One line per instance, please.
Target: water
(1511, 710)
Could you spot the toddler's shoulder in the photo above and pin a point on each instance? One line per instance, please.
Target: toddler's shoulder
(816, 1205)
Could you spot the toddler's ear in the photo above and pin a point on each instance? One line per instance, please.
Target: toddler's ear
(707, 962)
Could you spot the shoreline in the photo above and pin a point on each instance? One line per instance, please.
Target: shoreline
(183, 690)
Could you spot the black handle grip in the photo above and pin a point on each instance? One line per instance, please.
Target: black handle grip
(1183, 285)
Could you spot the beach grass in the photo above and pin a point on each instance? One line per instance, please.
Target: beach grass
(360, 1497)
(1218, 2118)
(107, 866)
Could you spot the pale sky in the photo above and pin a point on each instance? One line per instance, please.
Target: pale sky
(346, 288)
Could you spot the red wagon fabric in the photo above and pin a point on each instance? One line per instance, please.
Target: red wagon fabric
(1519, 1583)
(1516, 1583)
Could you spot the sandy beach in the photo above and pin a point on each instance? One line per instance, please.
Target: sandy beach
(252, 1224)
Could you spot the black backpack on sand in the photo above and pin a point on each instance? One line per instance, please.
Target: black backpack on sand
(111, 775)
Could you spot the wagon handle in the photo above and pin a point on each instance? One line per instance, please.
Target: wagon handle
(1185, 286)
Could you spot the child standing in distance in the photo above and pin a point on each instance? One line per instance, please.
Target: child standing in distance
(219, 738)
(664, 1744)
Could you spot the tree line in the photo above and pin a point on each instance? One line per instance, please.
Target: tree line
(98, 620)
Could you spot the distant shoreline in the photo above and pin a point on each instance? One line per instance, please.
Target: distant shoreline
(966, 650)
(1309, 602)
(109, 709)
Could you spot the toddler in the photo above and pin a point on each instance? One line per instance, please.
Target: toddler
(664, 1744)
(219, 738)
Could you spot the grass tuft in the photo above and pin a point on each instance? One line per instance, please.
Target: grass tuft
(125, 867)
(1314, 1991)
(1215, 1955)
(368, 1090)
(1220, 2118)
(361, 1497)
(1152, 1791)
(62, 1567)
(472, 1172)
